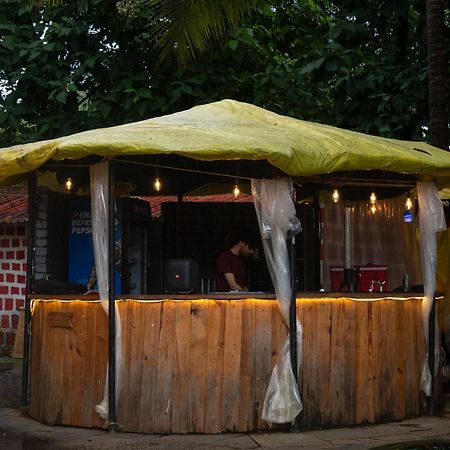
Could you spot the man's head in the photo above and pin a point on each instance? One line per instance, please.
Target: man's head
(242, 244)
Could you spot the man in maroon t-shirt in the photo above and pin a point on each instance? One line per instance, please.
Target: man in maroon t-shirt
(231, 272)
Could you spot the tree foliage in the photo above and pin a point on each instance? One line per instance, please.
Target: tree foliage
(92, 63)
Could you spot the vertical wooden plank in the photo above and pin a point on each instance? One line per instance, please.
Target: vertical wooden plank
(182, 377)
(246, 388)
(166, 356)
(337, 372)
(197, 367)
(399, 377)
(100, 343)
(350, 360)
(322, 370)
(262, 357)
(309, 383)
(36, 363)
(361, 362)
(86, 348)
(148, 388)
(214, 366)
(231, 365)
(373, 348)
(385, 361)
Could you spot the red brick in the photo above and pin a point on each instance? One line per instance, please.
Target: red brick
(9, 255)
(15, 243)
(20, 254)
(10, 278)
(5, 266)
(19, 303)
(1, 303)
(20, 279)
(4, 321)
(20, 231)
(15, 266)
(1, 254)
(23, 291)
(24, 267)
(25, 242)
(9, 304)
(4, 289)
(10, 337)
(14, 290)
(2, 277)
(4, 243)
(2, 337)
(15, 320)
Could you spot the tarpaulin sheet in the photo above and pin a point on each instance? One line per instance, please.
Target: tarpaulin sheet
(232, 130)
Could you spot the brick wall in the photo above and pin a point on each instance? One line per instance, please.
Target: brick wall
(13, 268)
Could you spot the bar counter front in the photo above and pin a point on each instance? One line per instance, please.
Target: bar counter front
(202, 365)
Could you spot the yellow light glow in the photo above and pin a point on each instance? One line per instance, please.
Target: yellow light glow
(69, 184)
(236, 190)
(408, 204)
(157, 184)
(373, 209)
(373, 198)
(335, 196)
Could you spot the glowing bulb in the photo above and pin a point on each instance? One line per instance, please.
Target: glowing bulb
(408, 204)
(335, 196)
(373, 209)
(157, 184)
(69, 184)
(373, 198)
(236, 190)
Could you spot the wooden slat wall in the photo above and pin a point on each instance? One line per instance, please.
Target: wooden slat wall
(203, 366)
(68, 362)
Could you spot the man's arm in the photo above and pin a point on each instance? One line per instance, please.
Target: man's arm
(231, 280)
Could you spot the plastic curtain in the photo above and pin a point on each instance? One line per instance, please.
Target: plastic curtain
(99, 178)
(431, 220)
(275, 211)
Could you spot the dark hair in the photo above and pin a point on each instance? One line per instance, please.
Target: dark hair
(234, 238)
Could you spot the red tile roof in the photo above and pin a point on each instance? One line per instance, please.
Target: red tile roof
(13, 204)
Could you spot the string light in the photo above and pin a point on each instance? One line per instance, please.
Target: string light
(236, 190)
(335, 196)
(69, 184)
(408, 203)
(373, 208)
(157, 184)
(373, 198)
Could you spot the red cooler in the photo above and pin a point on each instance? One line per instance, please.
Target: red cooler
(371, 273)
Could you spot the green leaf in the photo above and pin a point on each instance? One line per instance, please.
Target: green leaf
(233, 44)
(310, 67)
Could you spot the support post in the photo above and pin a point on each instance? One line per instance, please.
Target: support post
(31, 266)
(293, 344)
(112, 425)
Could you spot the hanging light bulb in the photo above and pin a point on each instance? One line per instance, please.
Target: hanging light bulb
(157, 184)
(69, 184)
(335, 196)
(408, 203)
(236, 190)
(373, 198)
(373, 208)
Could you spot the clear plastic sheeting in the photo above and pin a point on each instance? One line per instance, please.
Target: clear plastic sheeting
(99, 178)
(431, 220)
(275, 211)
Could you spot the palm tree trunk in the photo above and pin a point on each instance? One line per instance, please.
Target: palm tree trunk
(437, 75)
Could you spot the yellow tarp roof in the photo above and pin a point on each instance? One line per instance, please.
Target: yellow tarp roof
(232, 130)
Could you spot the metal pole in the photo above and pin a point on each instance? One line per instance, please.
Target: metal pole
(112, 426)
(431, 358)
(31, 266)
(293, 317)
